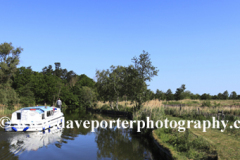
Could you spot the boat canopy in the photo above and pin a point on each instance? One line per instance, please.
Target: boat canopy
(39, 109)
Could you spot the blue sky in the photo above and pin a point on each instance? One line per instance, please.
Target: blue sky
(196, 43)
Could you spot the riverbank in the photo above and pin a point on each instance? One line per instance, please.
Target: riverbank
(185, 145)
(218, 145)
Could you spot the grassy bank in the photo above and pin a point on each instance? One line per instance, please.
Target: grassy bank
(227, 144)
(197, 144)
(184, 145)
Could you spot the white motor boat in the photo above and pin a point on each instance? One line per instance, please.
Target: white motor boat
(35, 119)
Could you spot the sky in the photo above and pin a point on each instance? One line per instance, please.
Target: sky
(196, 43)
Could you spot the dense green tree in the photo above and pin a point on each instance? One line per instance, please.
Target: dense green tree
(179, 93)
(169, 95)
(220, 96)
(22, 77)
(187, 95)
(88, 96)
(26, 95)
(214, 97)
(133, 88)
(47, 70)
(53, 88)
(233, 95)
(160, 95)
(225, 95)
(149, 95)
(77, 88)
(84, 80)
(9, 59)
(195, 96)
(105, 86)
(117, 79)
(38, 87)
(205, 96)
(69, 96)
(22, 85)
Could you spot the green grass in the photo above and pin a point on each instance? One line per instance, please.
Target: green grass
(6, 112)
(227, 143)
(185, 144)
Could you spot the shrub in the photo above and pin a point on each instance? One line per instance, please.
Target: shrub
(216, 104)
(206, 104)
(105, 107)
(120, 107)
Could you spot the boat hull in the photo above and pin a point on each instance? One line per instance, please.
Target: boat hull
(34, 127)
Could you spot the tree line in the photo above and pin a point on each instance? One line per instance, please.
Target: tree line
(182, 94)
(27, 87)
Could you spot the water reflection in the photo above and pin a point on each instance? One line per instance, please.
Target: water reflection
(34, 140)
(77, 143)
(119, 144)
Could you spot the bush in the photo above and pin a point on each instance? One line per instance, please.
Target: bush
(105, 107)
(217, 104)
(206, 104)
(120, 107)
(10, 107)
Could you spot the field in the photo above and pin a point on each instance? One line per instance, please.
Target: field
(231, 107)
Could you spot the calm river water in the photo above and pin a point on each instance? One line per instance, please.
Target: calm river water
(77, 143)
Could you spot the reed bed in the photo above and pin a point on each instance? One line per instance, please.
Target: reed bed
(187, 106)
(5, 111)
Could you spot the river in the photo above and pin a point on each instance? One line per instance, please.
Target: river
(77, 143)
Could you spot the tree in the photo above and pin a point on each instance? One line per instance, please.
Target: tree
(225, 95)
(22, 77)
(169, 95)
(145, 70)
(9, 59)
(53, 88)
(149, 95)
(233, 95)
(26, 95)
(194, 96)
(38, 87)
(117, 78)
(110, 83)
(88, 96)
(84, 80)
(205, 96)
(220, 96)
(22, 85)
(144, 66)
(178, 94)
(47, 70)
(187, 95)
(160, 95)
(104, 86)
(133, 88)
